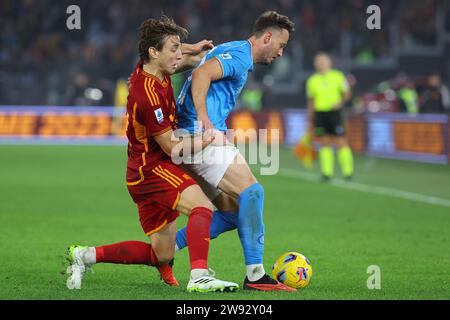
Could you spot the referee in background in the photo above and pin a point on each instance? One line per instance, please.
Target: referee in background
(327, 92)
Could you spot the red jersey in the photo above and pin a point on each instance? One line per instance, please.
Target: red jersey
(150, 112)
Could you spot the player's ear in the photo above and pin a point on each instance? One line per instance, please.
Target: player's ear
(267, 37)
(153, 53)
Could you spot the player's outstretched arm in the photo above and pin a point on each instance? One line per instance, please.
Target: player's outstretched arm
(192, 54)
(173, 145)
(201, 81)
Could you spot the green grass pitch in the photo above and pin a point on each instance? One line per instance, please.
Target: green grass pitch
(54, 196)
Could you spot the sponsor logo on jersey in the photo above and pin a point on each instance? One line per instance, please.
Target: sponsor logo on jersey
(159, 115)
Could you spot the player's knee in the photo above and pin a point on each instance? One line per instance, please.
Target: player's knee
(192, 198)
(246, 183)
(165, 257)
(325, 142)
(256, 188)
(203, 201)
(226, 203)
(252, 180)
(199, 204)
(342, 142)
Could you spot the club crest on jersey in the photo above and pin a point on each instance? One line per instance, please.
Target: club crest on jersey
(225, 56)
(159, 115)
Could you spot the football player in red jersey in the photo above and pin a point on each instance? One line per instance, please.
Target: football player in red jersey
(160, 188)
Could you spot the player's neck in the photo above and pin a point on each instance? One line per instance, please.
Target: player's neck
(153, 70)
(253, 47)
(323, 72)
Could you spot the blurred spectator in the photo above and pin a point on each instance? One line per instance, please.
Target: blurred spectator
(54, 65)
(365, 56)
(436, 96)
(76, 89)
(251, 97)
(409, 99)
(418, 23)
(121, 94)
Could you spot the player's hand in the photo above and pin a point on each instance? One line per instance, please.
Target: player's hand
(209, 131)
(205, 124)
(220, 139)
(207, 140)
(337, 106)
(201, 46)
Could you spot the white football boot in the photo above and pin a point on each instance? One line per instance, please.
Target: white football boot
(77, 267)
(208, 283)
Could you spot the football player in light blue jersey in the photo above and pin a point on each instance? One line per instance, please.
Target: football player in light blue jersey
(206, 100)
(235, 61)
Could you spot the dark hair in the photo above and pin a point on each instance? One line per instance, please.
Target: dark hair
(153, 33)
(272, 19)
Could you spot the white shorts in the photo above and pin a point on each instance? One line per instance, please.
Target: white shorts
(210, 165)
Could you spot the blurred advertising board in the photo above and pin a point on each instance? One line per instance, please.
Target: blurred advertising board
(402, 136)
(62, 125)
(392, 135)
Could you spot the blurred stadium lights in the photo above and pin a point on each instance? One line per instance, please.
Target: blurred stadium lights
(93, 94)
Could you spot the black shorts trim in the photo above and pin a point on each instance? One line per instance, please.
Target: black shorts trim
(329, 123)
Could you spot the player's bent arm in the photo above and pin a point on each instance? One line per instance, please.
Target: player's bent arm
(201, 81)
(169, 143)
(192, 54)
(189, 62)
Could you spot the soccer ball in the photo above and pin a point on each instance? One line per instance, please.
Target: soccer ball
(293, 269)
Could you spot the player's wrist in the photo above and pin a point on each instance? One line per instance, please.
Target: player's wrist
(202, 117)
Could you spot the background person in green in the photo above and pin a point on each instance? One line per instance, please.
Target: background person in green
(328, 91)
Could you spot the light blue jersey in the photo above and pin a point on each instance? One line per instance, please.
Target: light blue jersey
(236, 60)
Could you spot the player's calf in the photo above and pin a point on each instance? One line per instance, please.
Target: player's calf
(82, 258)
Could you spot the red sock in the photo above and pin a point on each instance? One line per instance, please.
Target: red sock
(128, 252)
(197, 236)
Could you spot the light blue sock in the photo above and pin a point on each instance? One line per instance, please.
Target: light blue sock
(220, 223)
(250, 223)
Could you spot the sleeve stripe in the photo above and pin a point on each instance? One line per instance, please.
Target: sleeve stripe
(152, 89)
(152, 103)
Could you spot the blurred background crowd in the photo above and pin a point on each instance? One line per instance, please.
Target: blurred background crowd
(404, 67)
